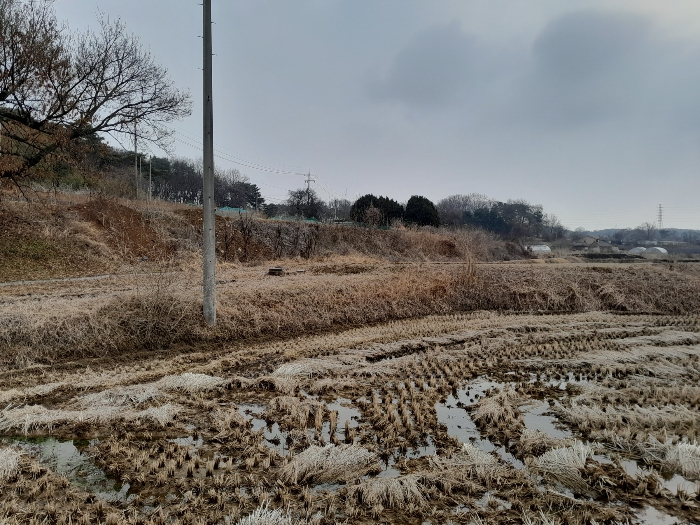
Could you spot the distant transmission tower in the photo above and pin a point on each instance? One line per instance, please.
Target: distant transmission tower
(661, 217)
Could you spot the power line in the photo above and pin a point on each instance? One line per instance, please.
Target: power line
(223, 158)
(259, 167)
(242, 162)
(236, 153)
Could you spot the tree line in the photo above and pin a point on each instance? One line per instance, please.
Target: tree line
(61, 91)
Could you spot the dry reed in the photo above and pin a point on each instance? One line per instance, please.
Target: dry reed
(564, 464)
(388, 492)
(32, 418)
(328, 464)
(9, 463)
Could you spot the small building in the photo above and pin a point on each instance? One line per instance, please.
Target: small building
(590, 240)
(586, 243)
(606, 247)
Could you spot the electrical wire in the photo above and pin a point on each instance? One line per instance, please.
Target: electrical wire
(238, 154)
(238, 161)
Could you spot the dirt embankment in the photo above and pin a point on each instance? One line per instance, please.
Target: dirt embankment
(81, 236)
(128, 232)
(165, 309)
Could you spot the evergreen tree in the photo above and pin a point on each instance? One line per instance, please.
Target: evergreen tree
(421, 211)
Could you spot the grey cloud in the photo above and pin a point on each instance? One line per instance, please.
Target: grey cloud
(582, 46)
(432, 70)
(587, 66)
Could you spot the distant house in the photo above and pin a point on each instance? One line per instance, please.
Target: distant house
(586, 242)
(593, 244)
(607, 247)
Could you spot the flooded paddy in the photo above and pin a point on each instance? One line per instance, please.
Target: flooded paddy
(590, 418)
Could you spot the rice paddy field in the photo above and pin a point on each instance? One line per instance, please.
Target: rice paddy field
(483, 416)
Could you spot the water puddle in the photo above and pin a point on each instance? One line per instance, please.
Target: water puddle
(66, 458)
(535, 418)
(189, 441)
(651, 516)
(389, 471)
(457, 420)
(346, 412)
(672, 482)
(484, 501)
(602, 459)
(327, 487)
(453, 414)
(272, 433)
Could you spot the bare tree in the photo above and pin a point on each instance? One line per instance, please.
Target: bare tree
(452, 208)
(59, 87)
(648, 229)
(552, 228)
(373, 217)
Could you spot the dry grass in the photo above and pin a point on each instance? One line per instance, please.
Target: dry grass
(263, 515)
(189, 382)
(9, 463)
(592, 417)
(329, 464)
(565, 464)
(266, 516)
(391, 493)
(535, 442)
(229, 469)
(133, 395)
(683, 458)
(161, 314)
(498, 409)
(33, 418)
(671, 455)
(472, 460)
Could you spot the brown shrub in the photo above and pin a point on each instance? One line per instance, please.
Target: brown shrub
(162, 313)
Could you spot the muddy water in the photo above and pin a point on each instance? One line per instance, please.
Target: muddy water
(536, 418)
(453, 414)
(190, 441)
(66, 458)
(651, 516)
(277, 438)
(272, 433)
(672, 482)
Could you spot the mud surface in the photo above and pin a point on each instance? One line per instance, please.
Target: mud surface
(482, 418)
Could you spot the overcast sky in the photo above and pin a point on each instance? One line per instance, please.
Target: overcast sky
(590, 108)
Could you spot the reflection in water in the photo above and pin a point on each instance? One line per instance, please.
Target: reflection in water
(651, 516)
(453, 414)
(672, 482)
(535, 419)
(64, 457)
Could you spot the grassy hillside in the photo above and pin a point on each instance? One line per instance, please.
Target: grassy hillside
(79, 236)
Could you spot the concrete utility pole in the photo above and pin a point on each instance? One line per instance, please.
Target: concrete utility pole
(209, 233)
(150, 177)
(136, 163)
